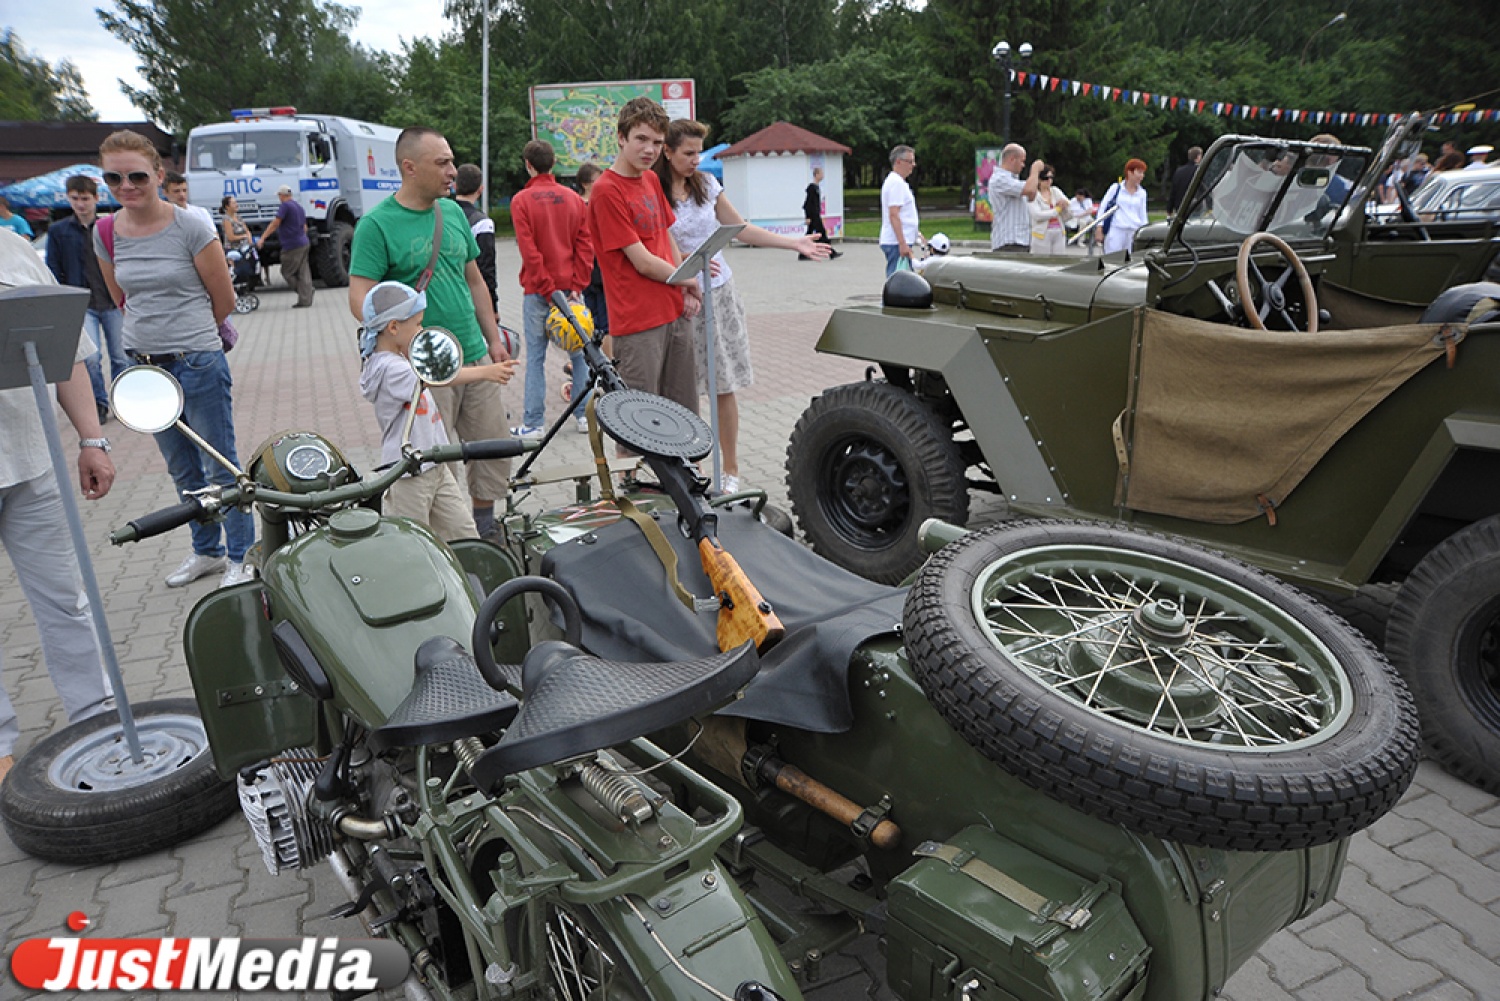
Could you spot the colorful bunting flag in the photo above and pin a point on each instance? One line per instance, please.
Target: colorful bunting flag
(1229, 109)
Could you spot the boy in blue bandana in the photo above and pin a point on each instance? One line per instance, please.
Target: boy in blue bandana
(392, 318)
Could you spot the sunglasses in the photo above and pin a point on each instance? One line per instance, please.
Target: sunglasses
(139, 178)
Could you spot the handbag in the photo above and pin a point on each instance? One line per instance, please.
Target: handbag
(1109, 199)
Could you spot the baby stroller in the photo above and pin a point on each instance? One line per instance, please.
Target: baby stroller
(244, 267)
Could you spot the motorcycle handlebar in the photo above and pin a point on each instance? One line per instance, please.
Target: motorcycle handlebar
(158, 522)
(167, 519)
(492, 448)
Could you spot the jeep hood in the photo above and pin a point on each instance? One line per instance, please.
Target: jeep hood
(1061, 292)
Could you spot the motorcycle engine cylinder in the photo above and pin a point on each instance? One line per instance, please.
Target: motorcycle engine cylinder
(274, 800)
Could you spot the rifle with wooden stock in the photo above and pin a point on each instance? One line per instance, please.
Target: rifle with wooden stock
(744, 614)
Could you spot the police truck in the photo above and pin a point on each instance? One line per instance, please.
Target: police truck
(337, 168)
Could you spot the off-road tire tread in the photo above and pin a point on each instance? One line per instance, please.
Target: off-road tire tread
(84, 829)
(938, 479)
(1367, 609)
(1452, 581)
(1240, 801)
(328, 255)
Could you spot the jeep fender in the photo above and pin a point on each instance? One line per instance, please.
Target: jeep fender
(950, 344)
(1460, 438)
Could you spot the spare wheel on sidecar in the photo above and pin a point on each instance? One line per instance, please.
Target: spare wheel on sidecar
(1168, 689)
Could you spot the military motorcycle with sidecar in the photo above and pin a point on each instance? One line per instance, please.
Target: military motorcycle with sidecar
(1068, 762)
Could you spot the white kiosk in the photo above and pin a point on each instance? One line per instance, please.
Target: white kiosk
(766, 177)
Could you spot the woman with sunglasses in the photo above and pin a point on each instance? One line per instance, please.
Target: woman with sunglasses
(166, 268)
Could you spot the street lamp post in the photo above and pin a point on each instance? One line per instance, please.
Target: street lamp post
(484, 110)
(1002, 55)
(1338, 18)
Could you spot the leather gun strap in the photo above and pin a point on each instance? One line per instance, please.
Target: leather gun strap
(437, 247)
(647, 524)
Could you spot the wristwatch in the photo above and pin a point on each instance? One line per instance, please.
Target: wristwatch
(95, 443)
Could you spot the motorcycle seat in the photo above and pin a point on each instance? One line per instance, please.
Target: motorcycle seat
(574, 703)
(449, 700)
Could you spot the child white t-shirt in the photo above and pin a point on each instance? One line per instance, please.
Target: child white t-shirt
(389, 382)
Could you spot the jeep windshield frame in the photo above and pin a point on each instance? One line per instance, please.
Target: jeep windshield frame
(1296, 190)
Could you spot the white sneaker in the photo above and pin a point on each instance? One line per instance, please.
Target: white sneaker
(583, 424)
(527, 433)
(192, 568)
(237, 573)
(729, 483)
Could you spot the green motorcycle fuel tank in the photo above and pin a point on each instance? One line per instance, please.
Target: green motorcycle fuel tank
(362, 596)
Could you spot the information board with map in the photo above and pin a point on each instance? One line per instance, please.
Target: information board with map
(579, 119)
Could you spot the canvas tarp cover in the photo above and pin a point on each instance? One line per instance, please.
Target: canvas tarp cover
(1222, 420)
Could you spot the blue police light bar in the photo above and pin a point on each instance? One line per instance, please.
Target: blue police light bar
(241, 114)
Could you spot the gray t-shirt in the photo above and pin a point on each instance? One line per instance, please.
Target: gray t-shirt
(389, 382)
(166, 306)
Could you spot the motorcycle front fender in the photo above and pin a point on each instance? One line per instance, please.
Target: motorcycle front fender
(251, 709)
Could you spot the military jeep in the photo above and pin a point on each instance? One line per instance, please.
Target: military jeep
(1272, 376)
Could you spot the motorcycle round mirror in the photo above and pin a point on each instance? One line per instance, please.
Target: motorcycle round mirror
(146, 399)
(435, 356)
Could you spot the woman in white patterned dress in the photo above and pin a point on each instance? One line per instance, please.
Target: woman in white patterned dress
(701, 207)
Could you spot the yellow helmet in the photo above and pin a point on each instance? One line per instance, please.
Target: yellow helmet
(561, 330)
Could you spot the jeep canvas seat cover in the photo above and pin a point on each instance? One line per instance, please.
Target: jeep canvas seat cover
(1223, 422)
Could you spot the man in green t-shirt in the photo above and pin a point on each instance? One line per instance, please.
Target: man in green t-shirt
(394, 242)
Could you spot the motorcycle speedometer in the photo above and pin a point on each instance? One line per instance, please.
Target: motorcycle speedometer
(308, 462)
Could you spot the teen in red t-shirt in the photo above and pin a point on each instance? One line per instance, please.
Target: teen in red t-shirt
(631, 218)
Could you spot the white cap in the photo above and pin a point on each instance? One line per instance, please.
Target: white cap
(1481, 150)
(285, 189)
(940, 243)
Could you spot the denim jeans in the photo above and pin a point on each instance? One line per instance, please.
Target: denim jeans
(208, 410)
(892, 253)
(35, 533)
(534, 316)
(104, 328)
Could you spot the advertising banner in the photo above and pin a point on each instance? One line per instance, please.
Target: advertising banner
(580, 119)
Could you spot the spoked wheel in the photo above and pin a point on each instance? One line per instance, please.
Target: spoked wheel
(866, 465)
(78, 797)
(248, 302)
(575, 953)
(1167, 689)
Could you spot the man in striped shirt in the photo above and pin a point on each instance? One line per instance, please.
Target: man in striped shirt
(1010, 232)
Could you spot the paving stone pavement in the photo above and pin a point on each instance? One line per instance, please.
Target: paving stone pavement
(1417, 915)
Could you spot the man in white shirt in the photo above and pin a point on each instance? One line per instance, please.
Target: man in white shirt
(176, 190)
(34, 528)
(898, 210)
(1010, 226)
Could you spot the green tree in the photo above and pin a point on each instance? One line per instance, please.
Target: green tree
(201, 58)
(32, 90)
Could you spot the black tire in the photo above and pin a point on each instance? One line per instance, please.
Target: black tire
(1454, 305)
(1444, 638)
(1367, 609)
(331, 255)
(866, 465)
(1067, 695)
(50, 812)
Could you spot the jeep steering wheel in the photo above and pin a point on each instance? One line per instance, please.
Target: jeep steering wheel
(1273, 293)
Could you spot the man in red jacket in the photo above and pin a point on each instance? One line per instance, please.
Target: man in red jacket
(556, 255)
